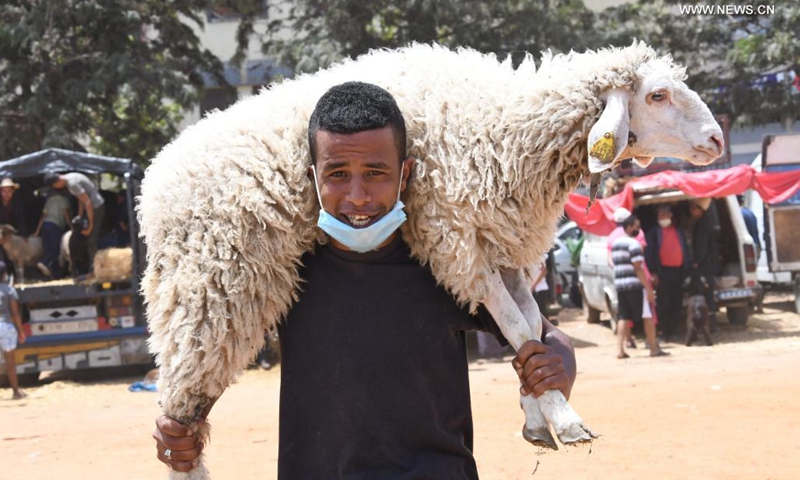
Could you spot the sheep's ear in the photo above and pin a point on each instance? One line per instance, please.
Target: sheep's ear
(609, 136)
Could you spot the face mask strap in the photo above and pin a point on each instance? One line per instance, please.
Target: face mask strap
(400, 186)
(316, 186)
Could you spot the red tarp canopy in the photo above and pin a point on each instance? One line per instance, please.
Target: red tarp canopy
(774, 187)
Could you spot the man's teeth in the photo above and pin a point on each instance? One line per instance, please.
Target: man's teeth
(358, 220)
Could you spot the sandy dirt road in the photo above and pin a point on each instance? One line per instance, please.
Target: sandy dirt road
(730, 411)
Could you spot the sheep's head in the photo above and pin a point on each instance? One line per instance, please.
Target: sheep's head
(658, 116)
(5, 232)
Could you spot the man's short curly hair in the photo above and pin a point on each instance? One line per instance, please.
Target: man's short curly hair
(354, 107)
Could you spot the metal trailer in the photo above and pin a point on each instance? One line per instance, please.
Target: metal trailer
(81, 325)
(781, 153)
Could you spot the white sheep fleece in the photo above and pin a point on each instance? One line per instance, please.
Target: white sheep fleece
(227, 209)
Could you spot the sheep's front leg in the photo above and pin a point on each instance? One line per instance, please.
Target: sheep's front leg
(520, 321)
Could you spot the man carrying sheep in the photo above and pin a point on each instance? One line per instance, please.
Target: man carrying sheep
(374, 378)
(90, 203)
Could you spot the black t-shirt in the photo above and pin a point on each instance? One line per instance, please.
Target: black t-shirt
(374, 378)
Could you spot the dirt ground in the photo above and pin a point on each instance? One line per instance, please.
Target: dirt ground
(724, 412)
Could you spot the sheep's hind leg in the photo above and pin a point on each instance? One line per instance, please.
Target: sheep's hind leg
(535, 429)
(512, 289)
(516, 330)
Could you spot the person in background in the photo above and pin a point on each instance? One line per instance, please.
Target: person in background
(11, 211)
(667, 257)
(751, 223)
(648, 308)
(629, 279)
(56, 217)
(91, 205)
(705, 248)
(539, 287)
(11, 332)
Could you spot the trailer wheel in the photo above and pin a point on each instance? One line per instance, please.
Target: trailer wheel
(797, 294)
(24, 379)
(738, 315)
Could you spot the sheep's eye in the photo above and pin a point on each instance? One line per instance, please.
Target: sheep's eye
(658, 96)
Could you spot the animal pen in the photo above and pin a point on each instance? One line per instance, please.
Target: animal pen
(95, 320)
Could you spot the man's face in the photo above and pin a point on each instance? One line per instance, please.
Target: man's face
(665, 214)
(695, 211)
(359, 175)
(6, 193)
(634, 227)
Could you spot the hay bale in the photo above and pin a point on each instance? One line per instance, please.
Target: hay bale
(113, 264)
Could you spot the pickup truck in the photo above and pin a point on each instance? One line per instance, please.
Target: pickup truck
(736, 282)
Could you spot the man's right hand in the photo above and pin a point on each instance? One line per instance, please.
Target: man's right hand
(184, 444)
(654, 280)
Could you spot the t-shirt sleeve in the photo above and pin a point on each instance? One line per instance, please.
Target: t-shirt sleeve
(635, 251)
(75, 189)
(12, 292)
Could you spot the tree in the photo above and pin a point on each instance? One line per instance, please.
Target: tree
(113, 76)
(740, 63)
(309, 34)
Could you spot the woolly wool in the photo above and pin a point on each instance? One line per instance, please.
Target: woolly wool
(227, 209)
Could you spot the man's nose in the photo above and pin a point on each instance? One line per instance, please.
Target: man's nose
(358, 193)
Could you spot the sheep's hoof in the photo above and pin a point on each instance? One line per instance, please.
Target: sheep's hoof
(575, 434)
(540, 437)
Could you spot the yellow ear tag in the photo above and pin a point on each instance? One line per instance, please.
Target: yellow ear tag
(604, 148)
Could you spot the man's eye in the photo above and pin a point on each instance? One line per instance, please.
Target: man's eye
(338, 175)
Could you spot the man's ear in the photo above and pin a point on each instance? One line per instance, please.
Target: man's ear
(408, 166)
(609, 136)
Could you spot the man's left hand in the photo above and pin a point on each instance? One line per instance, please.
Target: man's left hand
(86, 232)
(540, 369)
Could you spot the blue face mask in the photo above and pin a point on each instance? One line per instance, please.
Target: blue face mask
(361, 239)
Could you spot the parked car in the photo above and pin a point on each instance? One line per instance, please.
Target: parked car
(566, 234)
(736, 285)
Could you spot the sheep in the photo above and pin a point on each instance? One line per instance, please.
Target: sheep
(22, 251)
(227, 210)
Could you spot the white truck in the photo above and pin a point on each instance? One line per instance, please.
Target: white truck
(736, 283)
(780, 222)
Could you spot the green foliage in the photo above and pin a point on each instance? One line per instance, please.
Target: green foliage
(112, 75)
(309, 34)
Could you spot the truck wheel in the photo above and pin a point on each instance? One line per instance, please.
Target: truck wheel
(797, 294)
(738, 315)
(592, 314)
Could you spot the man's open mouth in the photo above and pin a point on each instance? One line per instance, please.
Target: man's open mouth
(359, 221)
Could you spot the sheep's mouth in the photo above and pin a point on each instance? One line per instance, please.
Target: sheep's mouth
(359, 220)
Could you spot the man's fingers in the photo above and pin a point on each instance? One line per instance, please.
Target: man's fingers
(538, 362)
(541, 379)
(172, 427)
(176, 443)
(527, 350)
(180, 460)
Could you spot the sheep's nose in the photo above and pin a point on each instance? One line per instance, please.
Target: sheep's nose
(718, 142)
